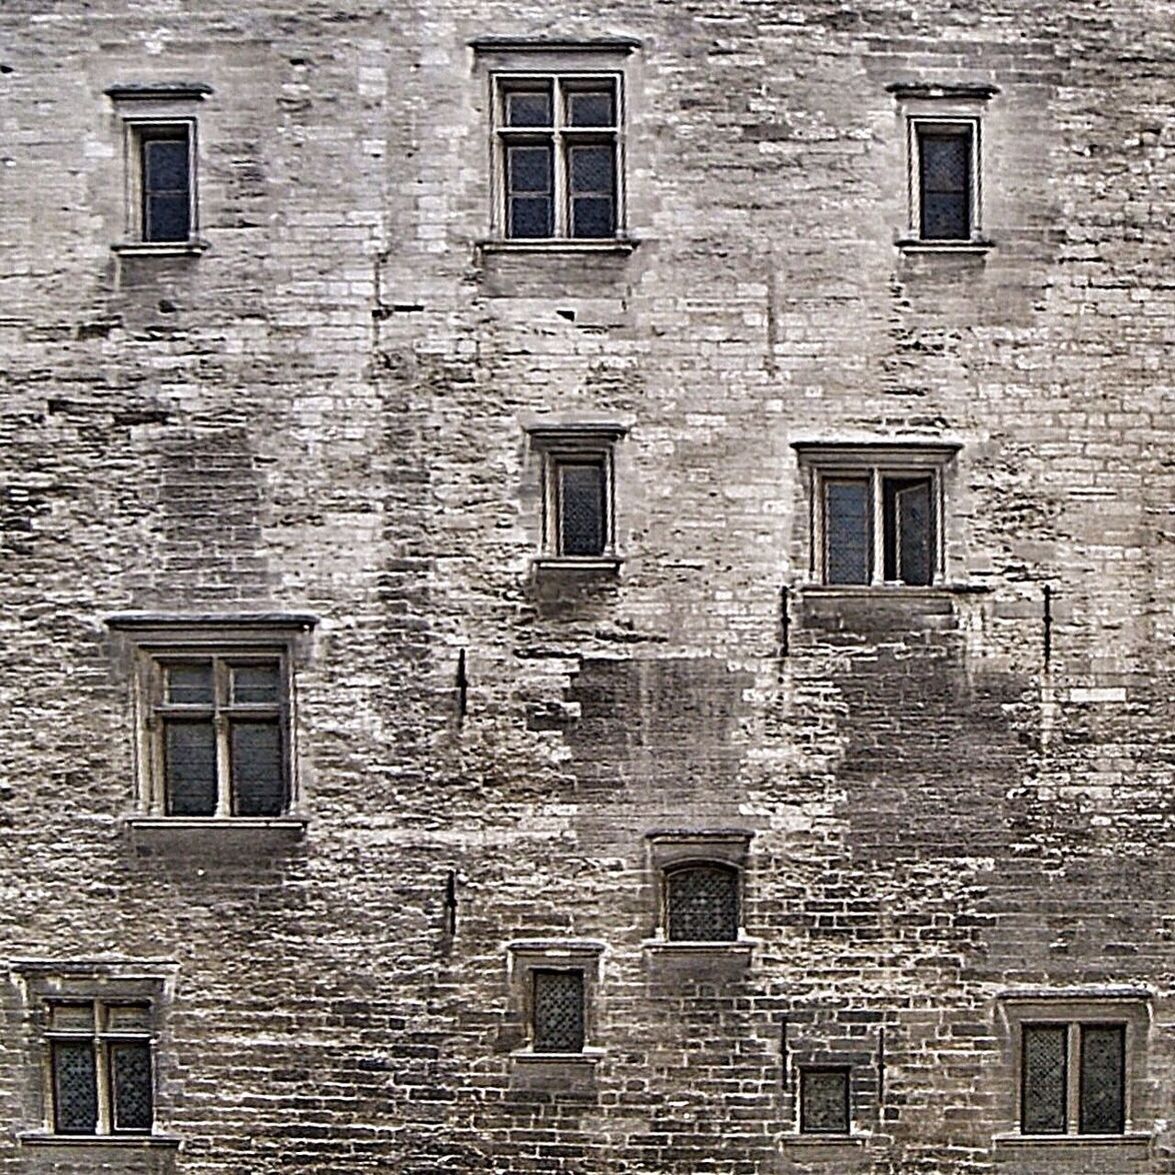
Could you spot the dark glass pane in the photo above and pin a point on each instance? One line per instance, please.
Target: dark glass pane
(1103, 1079)
(590, 108)
(75, 1087)
(1043, 1079)
(591, 216)
(847, 528)
(189, 754)
(166, 218)
(528, 108)
(592, 172)
(558, 1011)
(256, 769)
(581, 509)
(909, 529)
(824, 1101)
(165, 165)
(532, 217)
(529, 169)
(190, 685)
(255, 685)
(130, 1085)
(702, 904)
(945, 170)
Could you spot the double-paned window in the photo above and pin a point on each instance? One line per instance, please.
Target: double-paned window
(1073, 1078)
(220, 726)
(557, 139)
(100, 1067)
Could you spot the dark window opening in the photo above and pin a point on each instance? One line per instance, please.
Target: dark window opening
(581, 493)
(944, 168)
(908, 525)
(1059, 1061)
(702, 903)
(75, 1087)
(848, 530)
(530, 191)
(167, 195)
(1103, 1079)
(1044, 1079)
(558, 1011)
(824, 1101)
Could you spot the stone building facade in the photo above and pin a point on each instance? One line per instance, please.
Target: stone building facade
(666, 677)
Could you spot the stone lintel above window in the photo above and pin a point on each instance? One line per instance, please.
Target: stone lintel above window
(614, 45)
(159, 91)
(939, 91)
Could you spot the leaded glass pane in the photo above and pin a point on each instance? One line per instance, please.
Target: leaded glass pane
(189, 754)
(909, 530)
(581, 508)
(130, 1085)
(75, 1087)
(530, 183)
(1043, 1107)
(590, 108)
(165, 164)
(255, 685)
(166, 191)
(530, 169)
(945, 172)
(592, 170)
(1103, 1084)
(824, 1101)
(558, 1011)
(525, 108)
(847, 527)
(190, 684)
(258, 782)
(702, 903)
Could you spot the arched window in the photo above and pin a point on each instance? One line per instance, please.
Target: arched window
(702, 903)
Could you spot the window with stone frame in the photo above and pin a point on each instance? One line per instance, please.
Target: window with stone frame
(944, 157)
(100, 1067)
(578, 491)
(825, 1100)
(553, 986)
(214, 714)
(160, 131)
(557, 145)
(1076, 1067)
(702, 902)
(557, 1017)
(877, 512)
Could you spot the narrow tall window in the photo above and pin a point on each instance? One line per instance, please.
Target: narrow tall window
(702, 903)
(100, 1061)
(944, 168)
(824, 1101)
(1045, 1070)
(557, 1011)
(581, 492)
(220, 723)
(558, 140)
(165, 168)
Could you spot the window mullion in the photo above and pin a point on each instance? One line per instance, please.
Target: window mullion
(221, 685)
(877, 522)
(102, 1073)
(1073, 1081)
(560, 161)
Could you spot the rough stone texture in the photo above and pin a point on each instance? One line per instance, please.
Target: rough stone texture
(326, 412)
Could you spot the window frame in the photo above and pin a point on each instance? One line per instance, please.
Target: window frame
(562, 137)
(671, 850)
(561, 446)
(826, 463)
(1127, 1008)
(526, 957)
(803, 1128)
(943, 108)
(698, 864)
(147, 112)
(147, 642)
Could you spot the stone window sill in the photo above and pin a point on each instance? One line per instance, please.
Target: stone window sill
(578, 565)
(160, 248)
(914, 245)
(739, 946)
(589, 1057)
(1134, 1141)
(620, 245)
(891, 590)
(824, 1140)
(189, 834)
(122, 1141)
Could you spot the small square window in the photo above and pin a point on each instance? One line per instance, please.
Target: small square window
(824, 1101)
(702, 903)
(99, 1056)
(877, 513)
(557, 143)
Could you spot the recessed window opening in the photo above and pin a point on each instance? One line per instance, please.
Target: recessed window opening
(702, 903)
(1073, 1078)
(557, 1019)
(824, 1100)
(945, 180)
(165, 154)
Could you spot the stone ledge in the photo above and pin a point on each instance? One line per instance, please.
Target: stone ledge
(1134, 1141)
(160, 248)
(824, 1141)
(102, 1141)
(915, 245)
(589, 1057)
(254, 836)
(560, 245)
(603, 565)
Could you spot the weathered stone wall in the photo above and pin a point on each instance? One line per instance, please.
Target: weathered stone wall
(325, 412)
